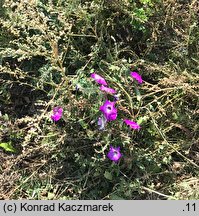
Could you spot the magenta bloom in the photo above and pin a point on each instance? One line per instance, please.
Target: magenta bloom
(100, 80)
(132, 124)
(57, 113)
(108, 90)
(109, 111)
(114, 154)
(136, 76)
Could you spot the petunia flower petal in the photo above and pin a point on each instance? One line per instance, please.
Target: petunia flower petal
(57, 113)
(114, 153)
(100, 80)
(132, 124)
(136, 76)
(107, 90)
(109, 111)
(102, 122)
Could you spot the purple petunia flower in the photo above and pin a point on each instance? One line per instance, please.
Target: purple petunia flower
(109, 111)
(102, 122)
(108, 90)
(100, 80)
(132, 124)
(136, 76)
(114, 154)
(57, 113)
(116, 97)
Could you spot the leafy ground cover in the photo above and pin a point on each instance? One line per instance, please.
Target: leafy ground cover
(48, 51)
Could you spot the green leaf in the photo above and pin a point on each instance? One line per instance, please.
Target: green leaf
(138, 94)
(114, 68)
(116, 197)
(92, 70)
(108, 175)
(8, 147)
(142, 119)
(146, 2)
(51, 195)
(83, 124)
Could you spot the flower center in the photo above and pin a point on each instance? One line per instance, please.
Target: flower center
(115, 153)
(109, 107)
